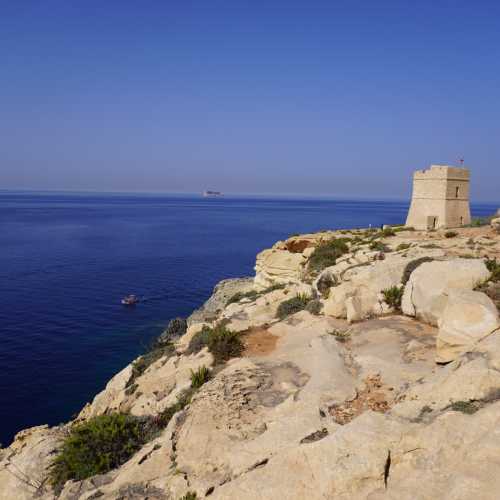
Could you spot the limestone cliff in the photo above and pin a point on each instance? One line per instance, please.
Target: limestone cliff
(374, 374)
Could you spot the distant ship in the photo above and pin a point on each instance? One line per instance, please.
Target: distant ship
(207, 194)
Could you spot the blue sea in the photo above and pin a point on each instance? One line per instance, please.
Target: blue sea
(66, 260)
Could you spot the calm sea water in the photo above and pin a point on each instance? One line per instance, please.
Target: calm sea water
(67, 259)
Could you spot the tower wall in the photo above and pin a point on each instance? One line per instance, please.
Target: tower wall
(440, 198)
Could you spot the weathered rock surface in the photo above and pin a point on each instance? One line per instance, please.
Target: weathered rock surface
(467, 318)
(24, 465)
(426, 293)
(316, 407)
(278, 266)
(223, 291)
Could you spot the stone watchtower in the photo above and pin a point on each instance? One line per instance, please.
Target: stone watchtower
(440, 198)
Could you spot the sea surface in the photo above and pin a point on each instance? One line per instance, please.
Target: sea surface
(67, 259)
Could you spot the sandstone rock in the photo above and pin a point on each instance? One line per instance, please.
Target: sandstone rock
(315, 408)
(24, 464)
(495, 224)
(278, 266)
(328, 468)
(111, 397)
(454, 457)
(425, 294)
(467, 318)
(365, 282)
(354, 309)
(156, 389)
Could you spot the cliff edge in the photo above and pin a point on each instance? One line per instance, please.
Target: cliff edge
(357, 364)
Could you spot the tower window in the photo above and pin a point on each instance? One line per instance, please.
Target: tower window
(457, 189)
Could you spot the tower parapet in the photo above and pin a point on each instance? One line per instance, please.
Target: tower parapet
(440, 198)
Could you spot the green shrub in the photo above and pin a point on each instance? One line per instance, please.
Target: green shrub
(327, 253)
(393, 296)
(252, 295)
(341, 335)
(494, 268)
(379, 246)
(292, 306)
(481, 221)
(314, 307)
(199, 377)
(450, 234)
(221, 342)
(411, 266)
(190, 495)
(403, 246)
(388, 231)
(96, 447)
(468, 407)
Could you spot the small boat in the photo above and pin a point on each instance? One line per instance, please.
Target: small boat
(130, 300)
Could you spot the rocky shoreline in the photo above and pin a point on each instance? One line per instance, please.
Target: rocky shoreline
(356, 364)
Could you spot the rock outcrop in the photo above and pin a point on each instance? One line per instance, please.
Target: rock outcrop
(426, 293)
(347, 403)
(467, 318)
(222, 293)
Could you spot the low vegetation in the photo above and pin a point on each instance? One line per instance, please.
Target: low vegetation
(251, 295)
(494, 268)
(468, 407)
(190, 495)
(105, 442)
(411, 266)
(403, 246)
(314, 306)
(199, 377)
(480, 221)
(98, 446)
(393, 296)
(379, 247)
(341, 335)
(450, 234)
(221, 342)
(327, 253)
(254, 294)
(293, 305)
(387, 232)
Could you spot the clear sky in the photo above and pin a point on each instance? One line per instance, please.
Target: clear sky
(344, 98)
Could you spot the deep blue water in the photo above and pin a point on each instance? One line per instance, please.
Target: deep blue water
(67, 259)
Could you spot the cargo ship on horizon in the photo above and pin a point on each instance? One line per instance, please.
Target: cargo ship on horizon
(211, 194)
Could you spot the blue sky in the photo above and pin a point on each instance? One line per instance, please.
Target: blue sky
(337, 98)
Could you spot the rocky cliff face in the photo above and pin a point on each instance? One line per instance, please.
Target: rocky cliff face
(374, 376)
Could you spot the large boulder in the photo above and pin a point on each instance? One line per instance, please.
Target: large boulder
(467, 318)
(358, 296)
(426, 292)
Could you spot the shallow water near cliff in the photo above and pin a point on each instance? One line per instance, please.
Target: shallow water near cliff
(66, 259)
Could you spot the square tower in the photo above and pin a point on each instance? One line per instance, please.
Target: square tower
(440, 198)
